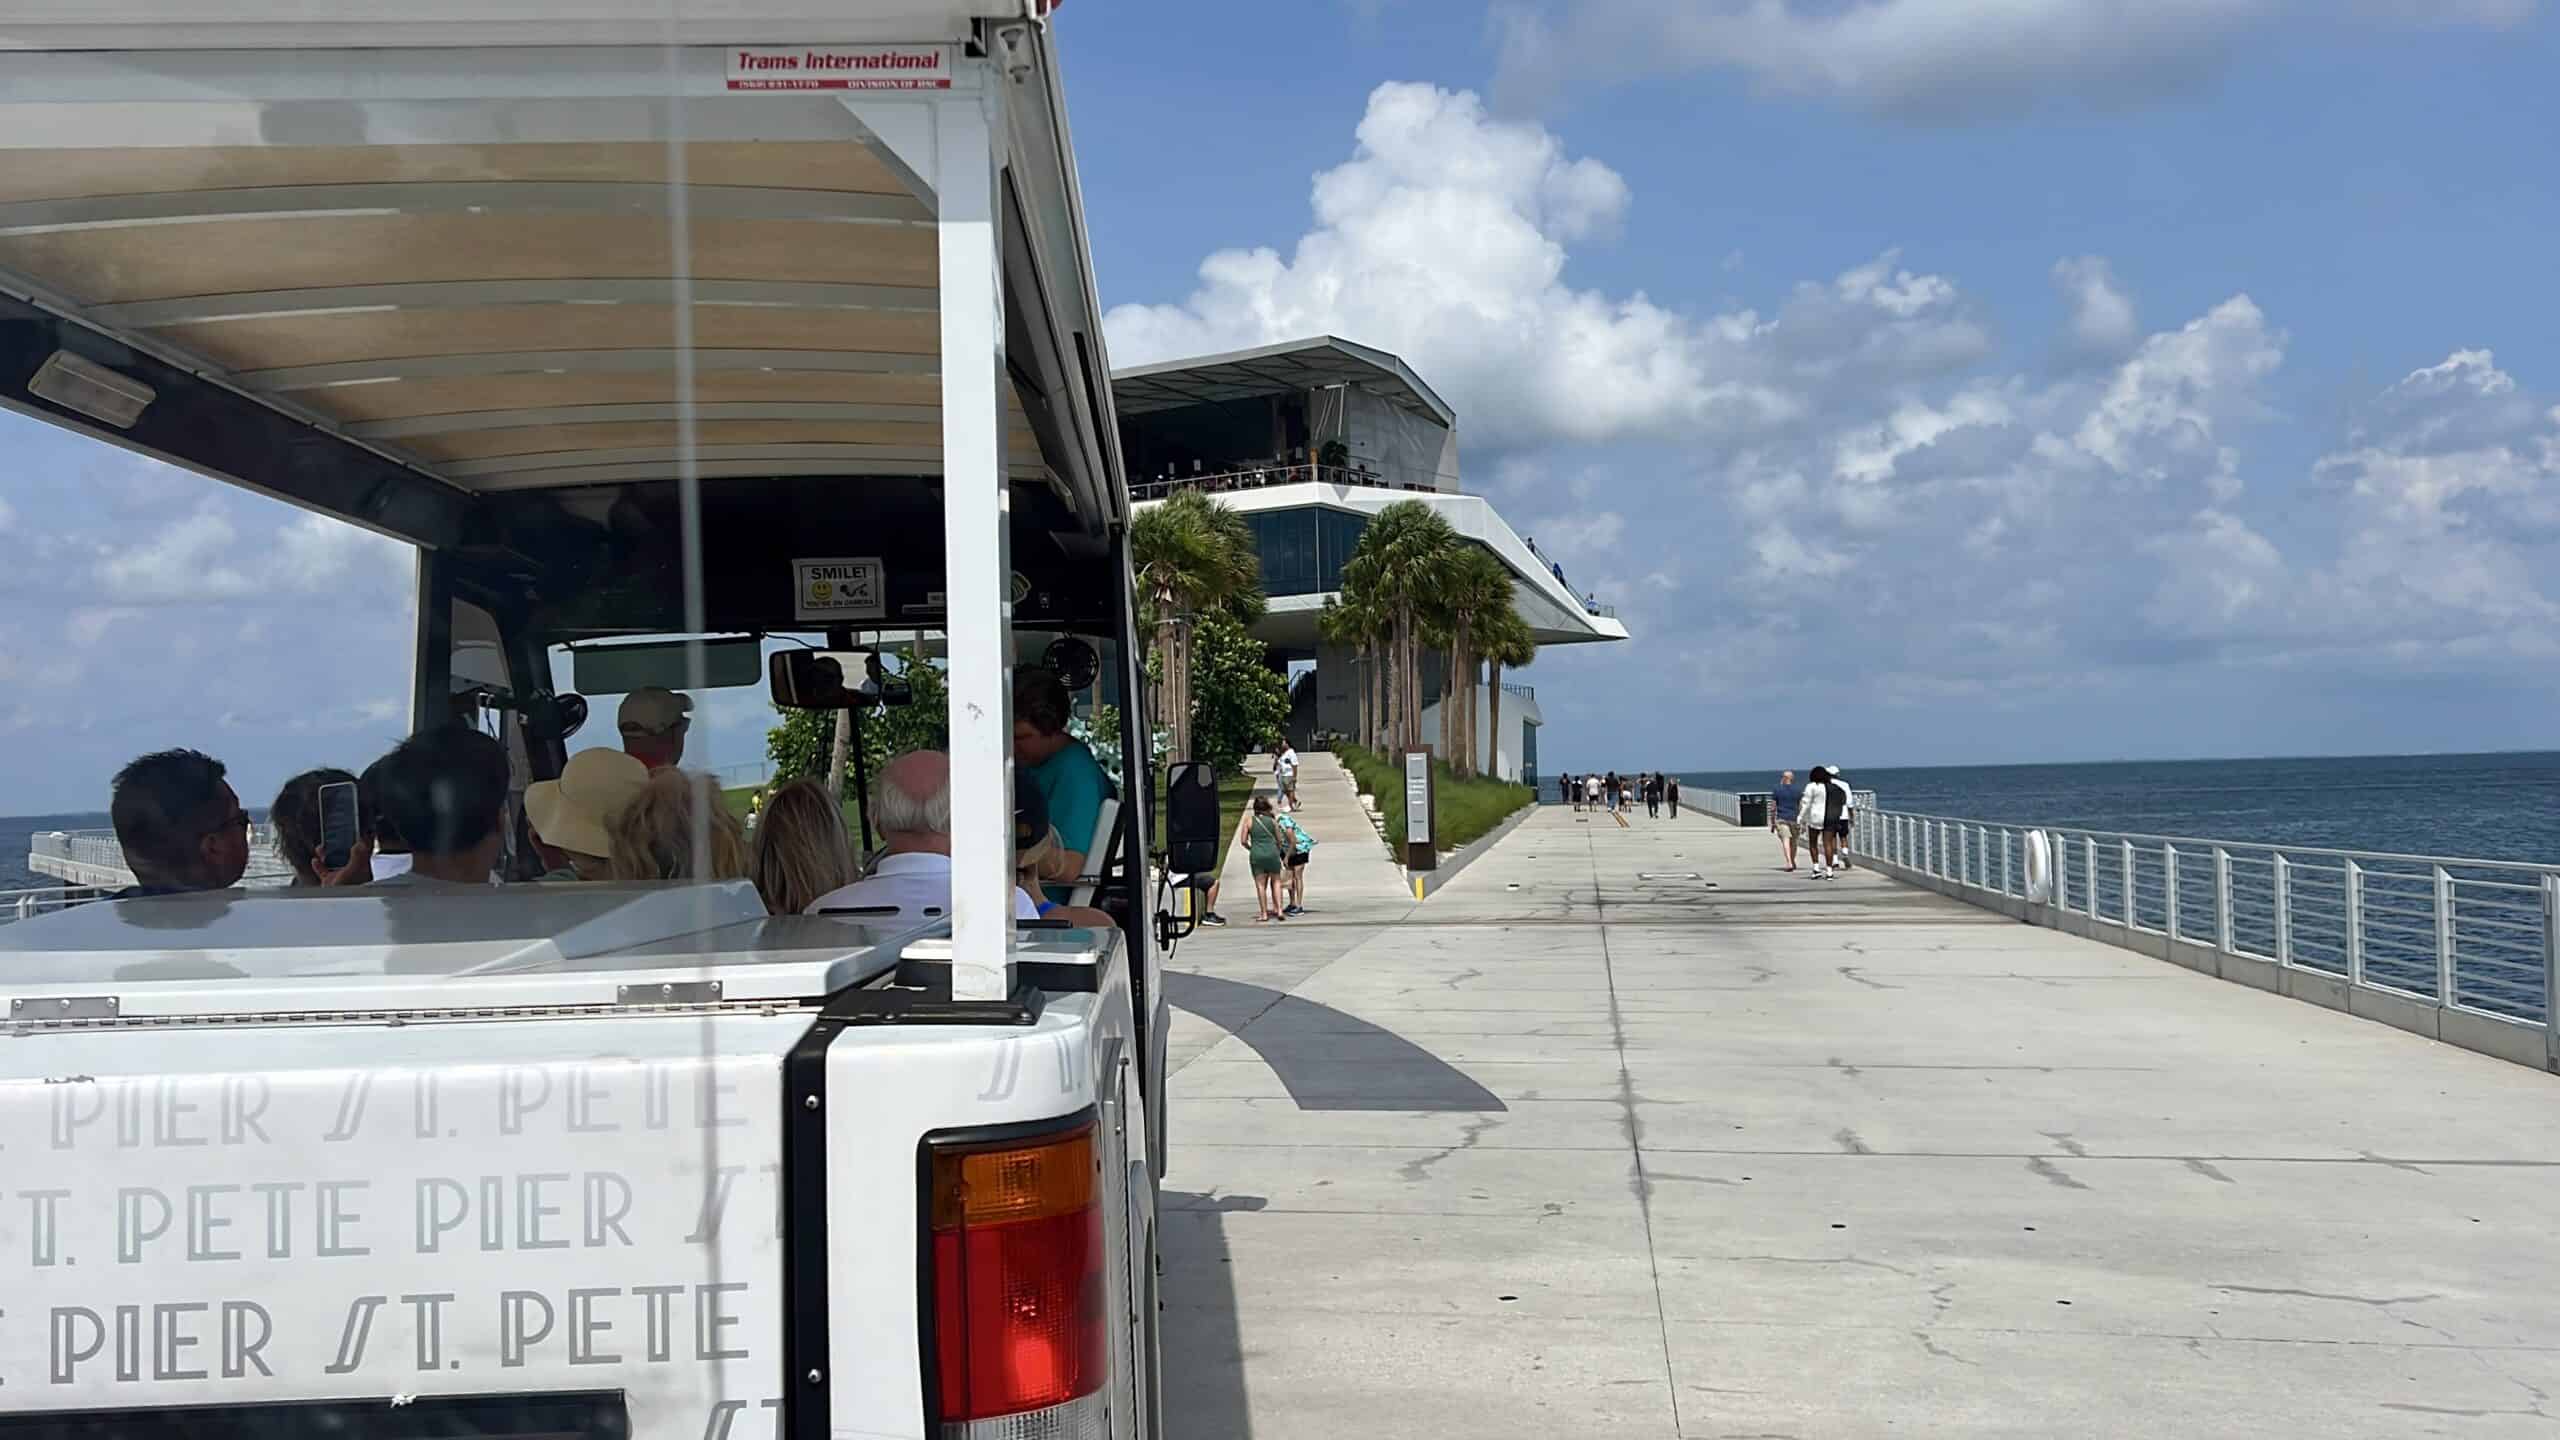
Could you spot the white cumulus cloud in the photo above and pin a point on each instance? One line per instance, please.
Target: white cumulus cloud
(2102, 316)
(1932, 58)
(1443, 238)
(196, 559)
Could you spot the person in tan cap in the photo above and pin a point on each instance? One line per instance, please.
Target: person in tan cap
(573, 816)
(654, 722)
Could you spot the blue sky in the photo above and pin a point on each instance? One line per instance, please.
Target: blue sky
(1929, 381)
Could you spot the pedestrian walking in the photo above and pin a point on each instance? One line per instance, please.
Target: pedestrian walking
(1284, 774)
(1786, 805)
(1261, 836)
(1671, 793)
(1847, 818)
(1590, 792)
(1815, 810)
(1566, 792)
(1653, 795)
(1301, 844)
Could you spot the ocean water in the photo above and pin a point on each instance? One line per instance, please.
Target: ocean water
(14, 831)
(2480, 807)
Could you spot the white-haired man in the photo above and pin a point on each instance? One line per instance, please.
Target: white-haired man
(911, 803)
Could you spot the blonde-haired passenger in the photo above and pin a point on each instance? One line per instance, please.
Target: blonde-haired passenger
(802, 850)
(656, 837)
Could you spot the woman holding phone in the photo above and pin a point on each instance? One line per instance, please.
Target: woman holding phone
(301, 820)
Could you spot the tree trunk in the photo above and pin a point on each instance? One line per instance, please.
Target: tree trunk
(1453, 725)
(1475, 680)
(836, 755)
(1376, 683)
(1408, 682)
(1170, 670)
(1493, 713)
(1178, 693)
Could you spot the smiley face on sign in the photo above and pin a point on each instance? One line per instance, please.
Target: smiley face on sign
(832, 590)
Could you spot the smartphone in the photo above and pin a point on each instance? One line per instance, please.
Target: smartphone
(337, 824)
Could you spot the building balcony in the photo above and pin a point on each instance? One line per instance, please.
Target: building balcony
(1307, 529)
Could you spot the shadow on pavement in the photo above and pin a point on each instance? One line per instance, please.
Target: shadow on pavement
(1394, 1073)
(1203, 1359)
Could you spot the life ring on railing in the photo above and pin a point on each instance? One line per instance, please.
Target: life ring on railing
(2039, 868)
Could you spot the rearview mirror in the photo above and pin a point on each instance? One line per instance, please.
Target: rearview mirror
(818, 680)
(1191, 828)
(808, 680)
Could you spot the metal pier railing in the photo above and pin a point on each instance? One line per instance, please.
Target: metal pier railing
(1751, 807)
(89, 861)
(2465, 950)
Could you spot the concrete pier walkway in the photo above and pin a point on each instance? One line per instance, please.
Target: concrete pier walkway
(1583, 1146)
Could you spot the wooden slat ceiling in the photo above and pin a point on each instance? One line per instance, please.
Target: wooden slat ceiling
(540, 319)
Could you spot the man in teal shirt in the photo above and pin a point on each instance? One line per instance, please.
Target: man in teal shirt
(1057, 764)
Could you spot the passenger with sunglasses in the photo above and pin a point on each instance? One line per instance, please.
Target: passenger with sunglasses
(180, 825)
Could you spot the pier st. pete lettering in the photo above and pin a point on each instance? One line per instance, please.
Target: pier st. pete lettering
(301, 1234)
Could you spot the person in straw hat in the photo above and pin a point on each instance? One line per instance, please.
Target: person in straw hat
(573, 816)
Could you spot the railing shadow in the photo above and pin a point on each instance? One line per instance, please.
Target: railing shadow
(1394, 1073)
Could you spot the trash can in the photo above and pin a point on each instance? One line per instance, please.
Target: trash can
(1755, 811)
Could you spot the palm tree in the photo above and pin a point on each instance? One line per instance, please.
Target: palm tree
(1400, 562)
(1506, 640)
(1353, 621)
(1192, 554)
(1475, 585)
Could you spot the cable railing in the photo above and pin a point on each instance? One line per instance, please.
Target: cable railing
(1256, 477)
(2474, 936)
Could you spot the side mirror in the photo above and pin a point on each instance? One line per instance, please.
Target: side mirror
(1191, 829)
(557, 715)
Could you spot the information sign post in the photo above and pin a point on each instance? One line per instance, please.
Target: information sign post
(1421, 813)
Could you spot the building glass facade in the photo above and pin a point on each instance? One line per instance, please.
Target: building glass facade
(1303, 551)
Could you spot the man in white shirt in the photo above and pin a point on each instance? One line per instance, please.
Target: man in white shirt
(1284, 775)
(911, 803)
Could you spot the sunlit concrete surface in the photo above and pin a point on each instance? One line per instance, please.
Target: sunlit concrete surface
(1624, 1133)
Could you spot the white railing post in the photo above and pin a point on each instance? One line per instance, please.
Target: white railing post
(2283, 873)
(2355, 923)
(2005, 872)
(2061, 856)
(2089, 869)
(2128, 883)
(2221, 899)
(2444, 937)
(2551, 970)
(2169, 888)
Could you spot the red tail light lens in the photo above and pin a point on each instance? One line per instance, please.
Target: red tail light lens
(1021, 1320)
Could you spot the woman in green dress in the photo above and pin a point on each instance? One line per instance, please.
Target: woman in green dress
(1263, 849)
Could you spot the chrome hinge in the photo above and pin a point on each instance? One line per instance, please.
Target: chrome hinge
(66, 1007)
(671, 992)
